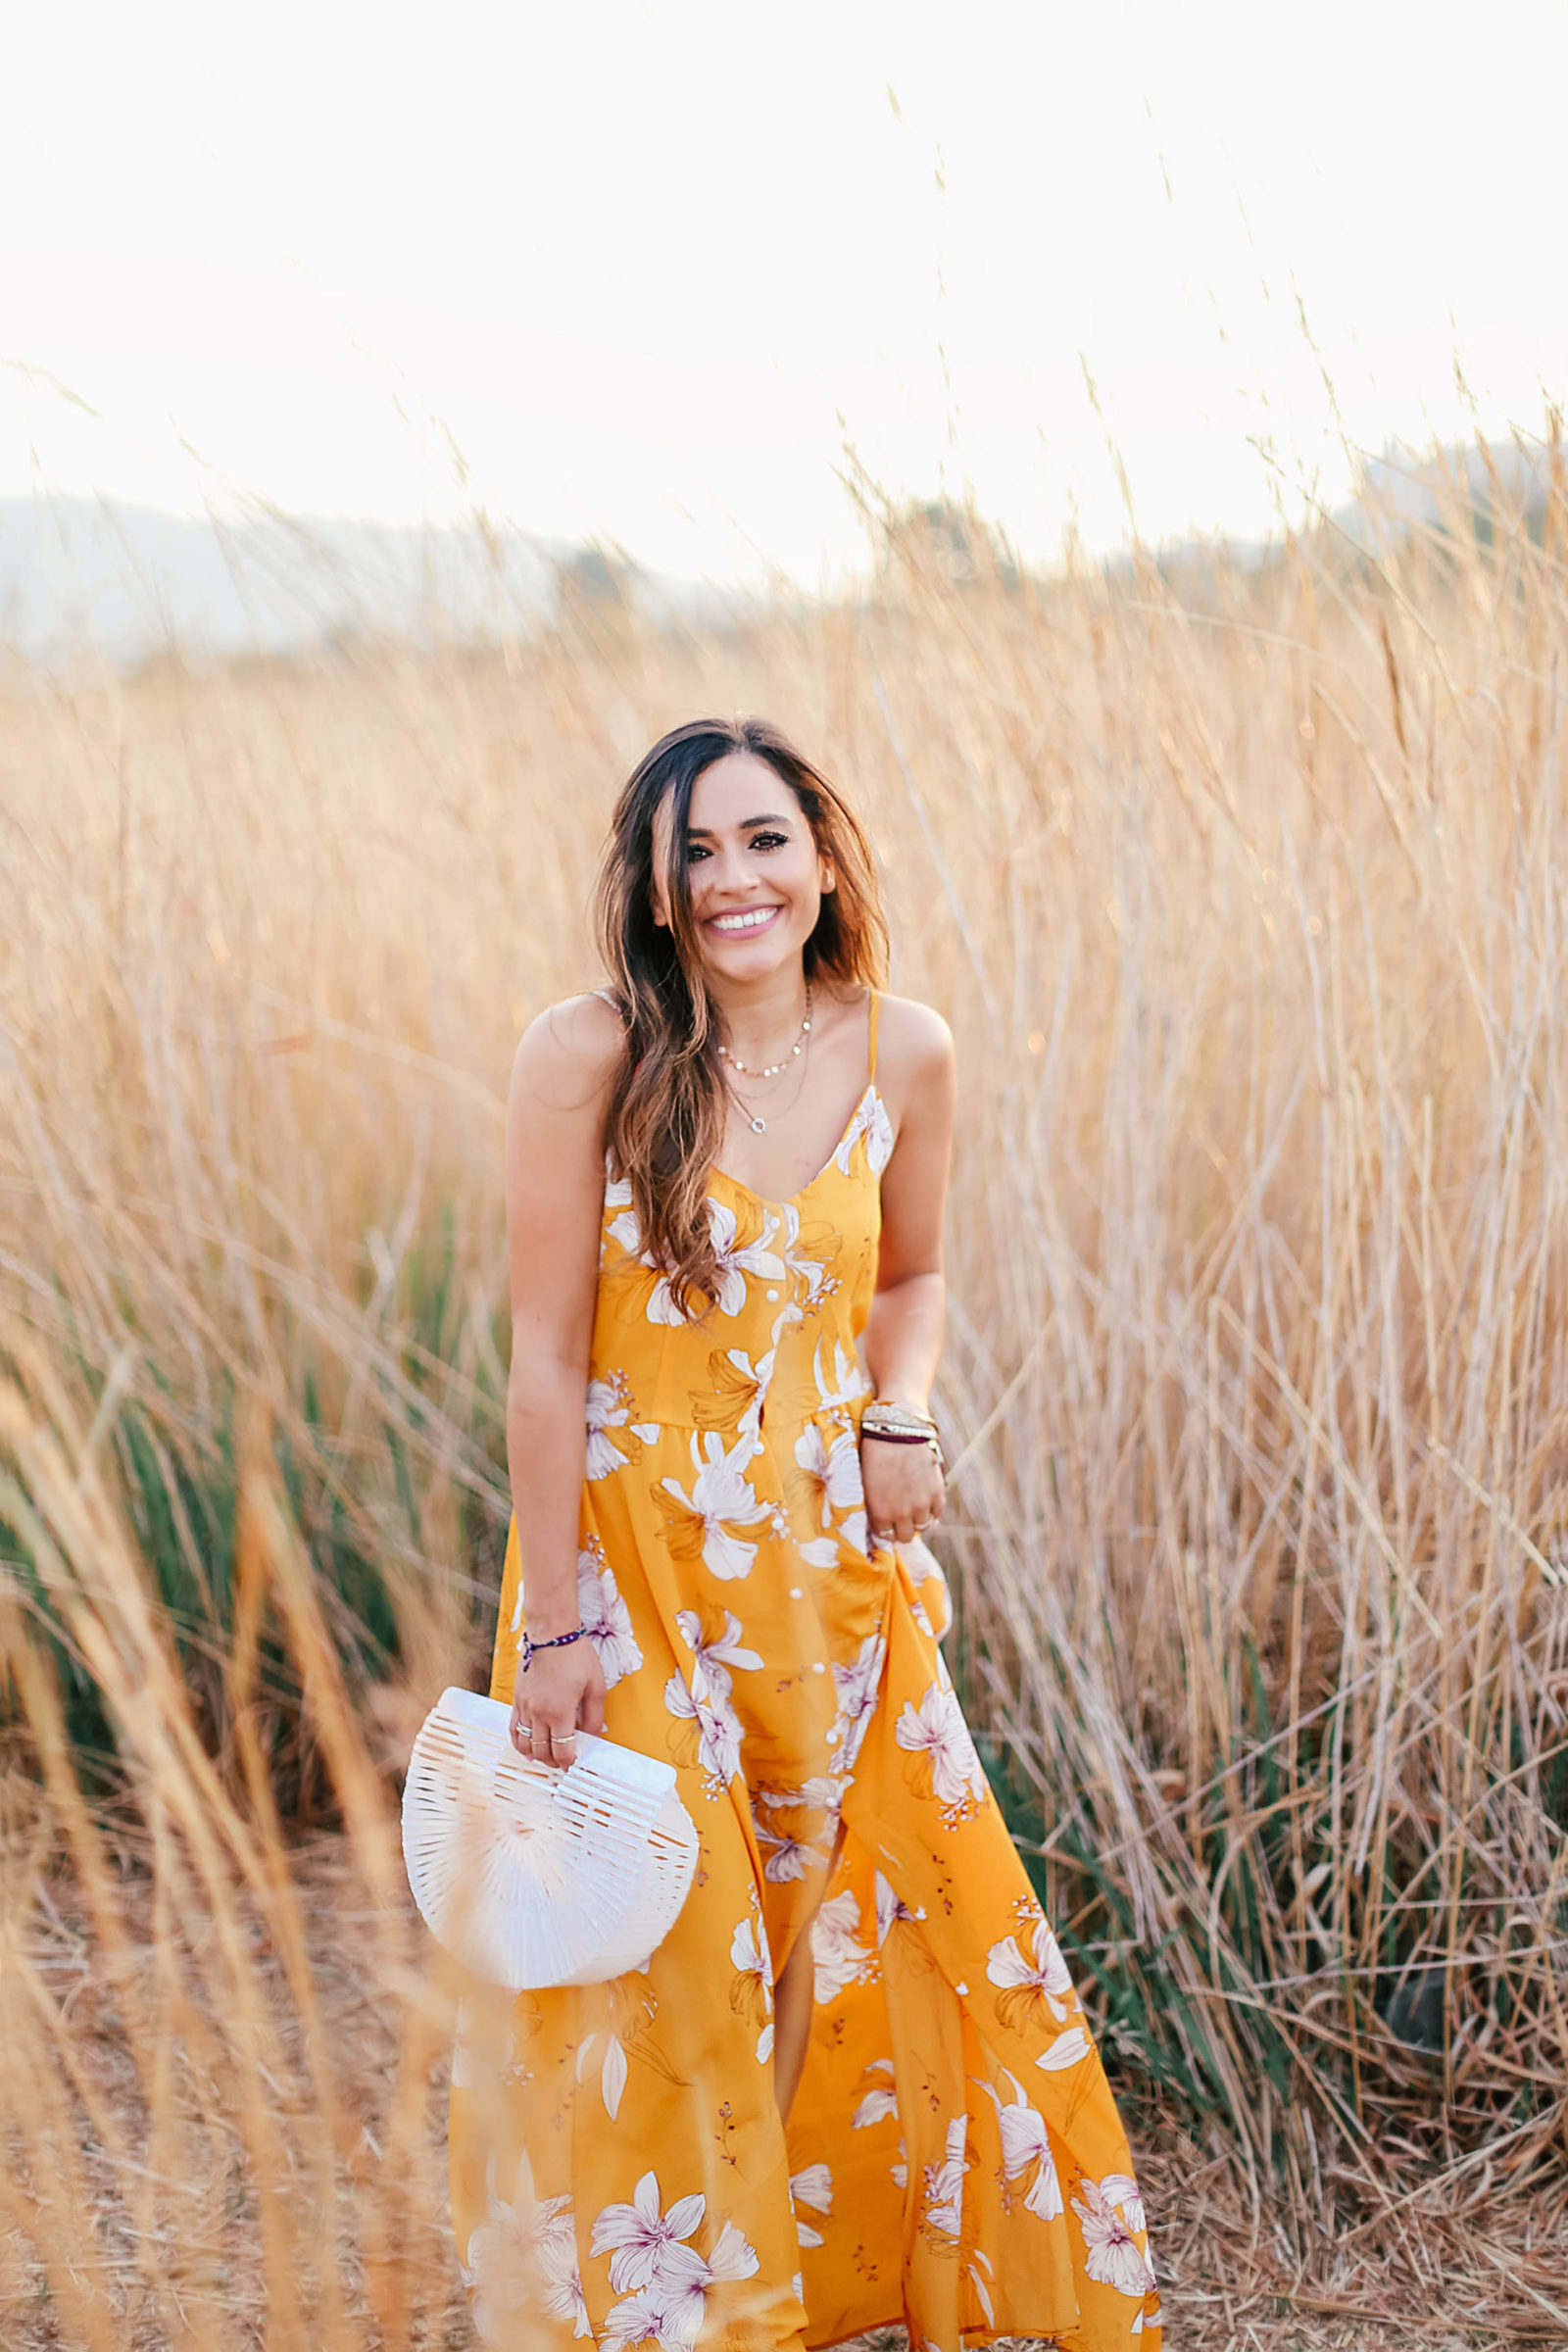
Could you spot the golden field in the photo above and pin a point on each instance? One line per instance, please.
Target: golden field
(1242, 886)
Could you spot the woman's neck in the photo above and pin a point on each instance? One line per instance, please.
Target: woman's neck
(755, 1015)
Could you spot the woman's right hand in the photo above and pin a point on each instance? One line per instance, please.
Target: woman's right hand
(562, 1692)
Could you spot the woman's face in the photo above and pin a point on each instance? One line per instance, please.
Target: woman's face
(757, 874)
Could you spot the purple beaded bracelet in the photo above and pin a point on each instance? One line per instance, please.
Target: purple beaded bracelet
(559, 1642)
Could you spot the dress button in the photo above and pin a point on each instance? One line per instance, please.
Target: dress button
(833, 1737)
(770, 1293)
(796, 1593)
(817, 1666)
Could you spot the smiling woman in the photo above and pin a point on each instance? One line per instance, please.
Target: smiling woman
(855, 2085)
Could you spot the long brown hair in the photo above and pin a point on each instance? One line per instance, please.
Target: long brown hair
(664, 1127)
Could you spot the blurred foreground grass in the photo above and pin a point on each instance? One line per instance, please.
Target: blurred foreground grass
(1243, 890)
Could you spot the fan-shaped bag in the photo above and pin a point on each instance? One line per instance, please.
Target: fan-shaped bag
(532, 1877)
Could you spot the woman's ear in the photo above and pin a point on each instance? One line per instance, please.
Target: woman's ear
(827, 875)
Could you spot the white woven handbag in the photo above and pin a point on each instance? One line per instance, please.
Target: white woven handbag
(532, 1877)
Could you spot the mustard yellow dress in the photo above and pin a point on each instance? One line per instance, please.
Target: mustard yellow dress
(954, 2159)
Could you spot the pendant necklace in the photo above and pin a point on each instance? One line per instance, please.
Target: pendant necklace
(772, 1069)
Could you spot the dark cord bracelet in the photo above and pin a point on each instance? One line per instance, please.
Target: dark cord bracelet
(560, 1640)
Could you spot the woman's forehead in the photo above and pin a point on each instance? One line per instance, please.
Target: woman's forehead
(736, 790)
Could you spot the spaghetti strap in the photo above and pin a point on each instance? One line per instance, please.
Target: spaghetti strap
(870, 1030)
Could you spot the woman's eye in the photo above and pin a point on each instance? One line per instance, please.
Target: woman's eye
(695, 852)
(768, 841)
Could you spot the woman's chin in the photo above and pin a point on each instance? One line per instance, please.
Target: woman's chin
(758, 958)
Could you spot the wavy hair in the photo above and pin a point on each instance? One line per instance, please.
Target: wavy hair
(664, 1126)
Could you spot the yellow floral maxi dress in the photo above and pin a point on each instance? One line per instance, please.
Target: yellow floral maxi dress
(953, 2158)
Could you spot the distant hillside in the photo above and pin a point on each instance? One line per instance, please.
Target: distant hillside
(1486, 485)
(131, 581)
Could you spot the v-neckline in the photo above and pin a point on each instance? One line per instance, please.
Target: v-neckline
(765, 1200)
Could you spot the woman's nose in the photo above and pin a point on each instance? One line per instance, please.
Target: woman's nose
(732, 870)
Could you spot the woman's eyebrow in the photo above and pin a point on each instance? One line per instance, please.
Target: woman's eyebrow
(747, 824)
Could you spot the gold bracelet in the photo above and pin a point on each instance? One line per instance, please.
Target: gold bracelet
(881, 1414)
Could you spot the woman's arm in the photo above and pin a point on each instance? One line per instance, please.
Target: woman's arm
(555, 1198)
(903, 1332)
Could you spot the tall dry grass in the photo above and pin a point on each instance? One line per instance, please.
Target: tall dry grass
(1242, 888)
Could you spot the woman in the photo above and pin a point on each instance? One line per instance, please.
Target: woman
(854, 2086)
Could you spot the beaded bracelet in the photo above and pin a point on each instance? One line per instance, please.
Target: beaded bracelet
(901, 1425)
(559, 1641)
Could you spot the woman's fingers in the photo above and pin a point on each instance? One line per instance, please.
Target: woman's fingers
(547, 1742)
(559, 1690)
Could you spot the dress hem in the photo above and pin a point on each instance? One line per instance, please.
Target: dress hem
(970, 2341)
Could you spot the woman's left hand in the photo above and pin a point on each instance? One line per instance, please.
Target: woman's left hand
(904, 1490)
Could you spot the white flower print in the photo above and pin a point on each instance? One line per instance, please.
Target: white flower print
(937, 1729)
(805, 1269)
(786, 1857)
(670, 2309)
(813, 2189)
(1112, 2255)
(638, 2236)
(718, 1729)
(734, 1377)
(1030, 1988)
(871, 1120)
(605, 1619)
(839, 1957)
(941, 2208)
(845, 1381)
(752, 1993)
(608, 1406)
(821, 1792)
(622, 1226)
(1026, 2143)
(856, 1687)
(1068, 2049)
(890, 1908)
(734, 1263)
(829, 1476)
(981, 2262)
(1123, 2191)
(522, 2253)
(611, 2071)
(880, 2102)
(716, 1655)
(701, 1525)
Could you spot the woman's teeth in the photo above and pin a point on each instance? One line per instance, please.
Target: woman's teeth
(751, 922)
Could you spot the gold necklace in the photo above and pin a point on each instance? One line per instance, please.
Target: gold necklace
(754, 1118)
(773, 1070)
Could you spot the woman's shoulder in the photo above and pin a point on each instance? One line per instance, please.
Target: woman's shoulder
(913, 1041)
(573, 1047)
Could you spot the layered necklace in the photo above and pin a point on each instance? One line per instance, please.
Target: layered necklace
(771, 1070)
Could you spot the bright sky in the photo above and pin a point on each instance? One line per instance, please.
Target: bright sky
(652, 263)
